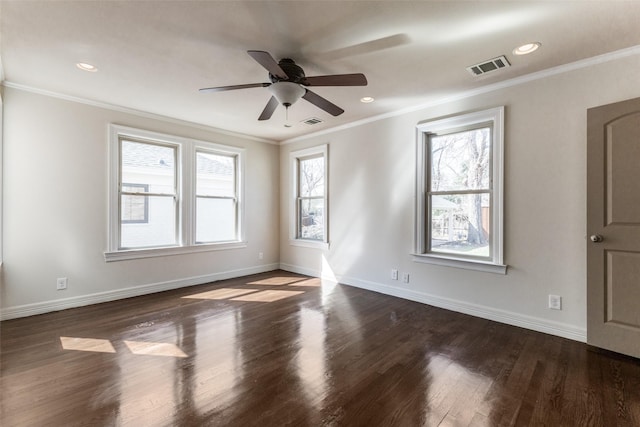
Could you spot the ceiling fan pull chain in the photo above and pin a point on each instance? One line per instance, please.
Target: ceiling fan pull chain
(286, 117)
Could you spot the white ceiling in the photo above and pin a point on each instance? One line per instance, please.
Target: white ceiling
(154, 56)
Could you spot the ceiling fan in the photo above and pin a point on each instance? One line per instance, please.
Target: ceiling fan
(288, 84)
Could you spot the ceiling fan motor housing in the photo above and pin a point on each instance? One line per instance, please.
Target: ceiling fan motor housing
(293, 71)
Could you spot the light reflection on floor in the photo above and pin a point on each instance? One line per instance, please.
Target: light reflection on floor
(311, 357)
(154, 349)
(443, 373)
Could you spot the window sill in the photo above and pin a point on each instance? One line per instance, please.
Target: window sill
(309, 244)
(485, 266)
(167, 251)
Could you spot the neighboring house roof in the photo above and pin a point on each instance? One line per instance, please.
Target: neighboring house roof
(141, 155)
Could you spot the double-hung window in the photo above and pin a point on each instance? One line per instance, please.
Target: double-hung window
(216, 196)
(309, 203)
(459, 200)
(171, 195)
(148, 177)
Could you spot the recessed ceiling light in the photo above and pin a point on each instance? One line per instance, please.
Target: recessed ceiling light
(367, 99)
(87, 67)
(526, 48)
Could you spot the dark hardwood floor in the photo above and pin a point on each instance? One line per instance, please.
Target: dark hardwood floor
(279, 349)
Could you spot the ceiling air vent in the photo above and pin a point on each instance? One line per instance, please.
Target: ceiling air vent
(488, 66)
(312, 121)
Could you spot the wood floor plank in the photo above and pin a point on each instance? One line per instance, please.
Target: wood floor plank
(281, 349)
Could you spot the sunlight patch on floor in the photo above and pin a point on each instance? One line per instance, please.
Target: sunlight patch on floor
(87, 344)
(155, 349)
(223, 293)
(312, 283)
(267, 296)
(276, 281)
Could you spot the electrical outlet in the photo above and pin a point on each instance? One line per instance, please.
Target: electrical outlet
(61, 283)
(405, 277)
(260, 255)
(555, 302)
(394, 274)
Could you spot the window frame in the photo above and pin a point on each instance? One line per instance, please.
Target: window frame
(186, 149)
(493, 117)
(294, 208)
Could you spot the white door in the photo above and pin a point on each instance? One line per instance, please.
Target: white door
(613, 227)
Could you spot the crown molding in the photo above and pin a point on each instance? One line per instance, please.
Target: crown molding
(133, 111)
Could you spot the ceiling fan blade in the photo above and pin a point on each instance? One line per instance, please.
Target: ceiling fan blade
(336, 80)
(269, 109)
(234, 87)
(266, 60)
(322, 103)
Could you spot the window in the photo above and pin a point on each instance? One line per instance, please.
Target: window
(153, 166)
(309, 204)
(171, 195)
(216, 202)
(459, 200)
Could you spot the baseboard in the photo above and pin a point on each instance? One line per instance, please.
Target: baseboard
(79, 301)
(503, 316)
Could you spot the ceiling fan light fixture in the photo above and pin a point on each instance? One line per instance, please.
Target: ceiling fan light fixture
(287, 93)
(367, 99)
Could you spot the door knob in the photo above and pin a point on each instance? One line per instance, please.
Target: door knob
(596, 238)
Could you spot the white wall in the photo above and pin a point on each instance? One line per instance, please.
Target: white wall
(55, 208)
(371, 202)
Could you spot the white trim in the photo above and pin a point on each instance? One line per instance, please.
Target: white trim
(487, 267)
(293, 216)
(132, 111)
(168, 251)
(516, 81)
(100, 297)
(303, 243)
(1, 172)
(560, 329)
(423, 130)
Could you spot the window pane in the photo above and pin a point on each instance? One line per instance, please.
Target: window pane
(158, 230)
(215, 220)
(149, 164)
(215, 175)
(134, 208)
(460, 224)
(460, 161)
(311, 220)
(311, 177)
